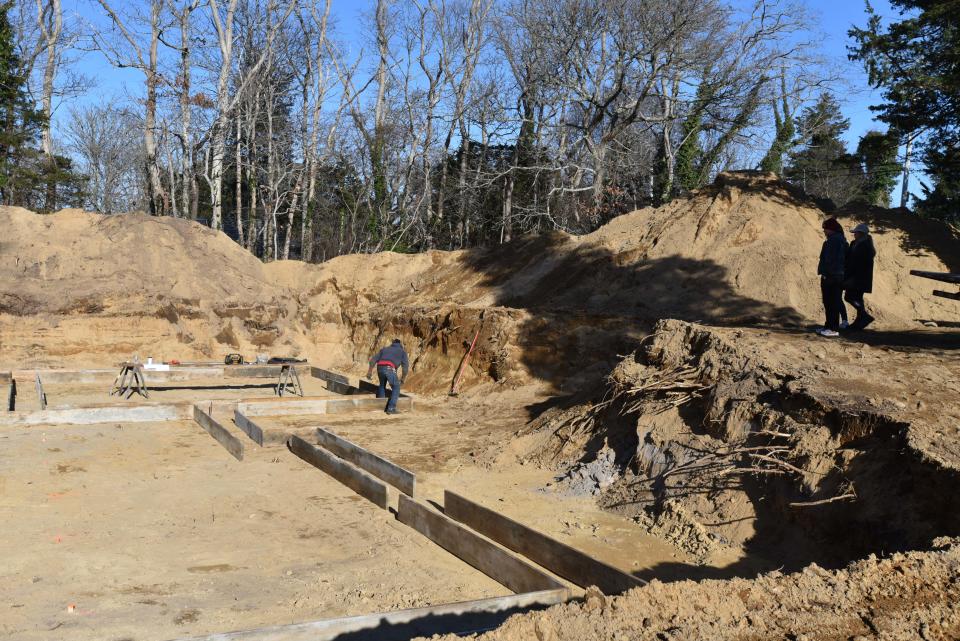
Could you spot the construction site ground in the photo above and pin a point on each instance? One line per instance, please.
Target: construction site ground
(651, 393)
(152, 531)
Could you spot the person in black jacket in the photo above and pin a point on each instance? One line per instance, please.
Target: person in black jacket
(387, 361)
(858, 274)
(833, 255)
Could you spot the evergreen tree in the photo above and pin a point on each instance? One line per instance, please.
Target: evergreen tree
(20, 123)
(914, 61)
(878, 153)
(821, 164)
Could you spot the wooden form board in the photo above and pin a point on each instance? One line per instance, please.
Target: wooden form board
(103, 414)
(295, 406)
(383, 469)
(399, 625)
(348, 474)
(219, 433)
(70, 376)
(943, 277)
(248, 427)
(559, 558)
(336, 383)
(488, 557)
(255, 371)
(340, 384)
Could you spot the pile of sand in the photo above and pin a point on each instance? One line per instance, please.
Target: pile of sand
(905, 596)
(742, 251)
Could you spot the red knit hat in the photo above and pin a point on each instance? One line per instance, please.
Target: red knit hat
(832, 224)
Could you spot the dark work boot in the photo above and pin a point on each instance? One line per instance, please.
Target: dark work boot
(863, 319)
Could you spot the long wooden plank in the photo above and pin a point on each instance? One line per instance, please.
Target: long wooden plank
(339, 405)
(104, 414)
(384, 469)
(497, 563)
(253, 371)
(219, 433)
(248, 427)
(327, 375)
(348, 474)
(399, 625)
(11, 395)
(559, 558)
(295, 406)
(72, 376)
(943, 277)
(950, 295)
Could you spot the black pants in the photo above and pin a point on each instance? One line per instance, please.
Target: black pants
(832, 292)
(855, 298)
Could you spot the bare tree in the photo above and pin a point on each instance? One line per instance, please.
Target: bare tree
(128, 50)
(110, 150)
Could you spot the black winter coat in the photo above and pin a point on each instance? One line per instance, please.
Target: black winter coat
(858, 270)
(832, 258)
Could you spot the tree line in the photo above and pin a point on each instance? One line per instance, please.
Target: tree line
(434, 124)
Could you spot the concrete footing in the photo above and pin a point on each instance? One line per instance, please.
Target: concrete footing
(399, 625)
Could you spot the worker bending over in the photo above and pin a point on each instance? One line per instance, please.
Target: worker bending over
(387, 361)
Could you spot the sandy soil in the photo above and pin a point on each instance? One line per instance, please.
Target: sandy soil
(903, 597)
(152, 531)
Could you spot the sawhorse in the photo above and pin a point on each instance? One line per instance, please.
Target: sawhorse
(289, 378)
(130, 380)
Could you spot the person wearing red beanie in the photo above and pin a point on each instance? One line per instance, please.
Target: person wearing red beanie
(833, 254)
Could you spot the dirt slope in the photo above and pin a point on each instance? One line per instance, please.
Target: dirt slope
(83, 288)
(906, 596)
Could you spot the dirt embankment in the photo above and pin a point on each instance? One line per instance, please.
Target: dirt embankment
(83, 289)
(773, 444)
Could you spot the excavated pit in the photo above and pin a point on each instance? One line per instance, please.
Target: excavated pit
(715, 440)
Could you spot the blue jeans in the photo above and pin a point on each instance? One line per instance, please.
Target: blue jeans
(389, 375)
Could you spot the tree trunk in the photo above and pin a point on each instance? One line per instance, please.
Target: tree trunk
(239, 181)
(50, 20)
(157, 196)
(188, 180)
(507, 208)
(905, 185)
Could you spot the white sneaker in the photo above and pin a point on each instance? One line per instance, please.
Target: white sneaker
(829, 333)
(844, 324)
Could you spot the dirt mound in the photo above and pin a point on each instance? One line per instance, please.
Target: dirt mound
(552, 308)
(742, 250)
(85, 288)
(74, 261)
(905, 596)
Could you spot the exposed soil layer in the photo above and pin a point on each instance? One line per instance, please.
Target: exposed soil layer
(781, 445)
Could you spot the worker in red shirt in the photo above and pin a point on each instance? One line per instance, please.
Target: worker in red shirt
(387, 361)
